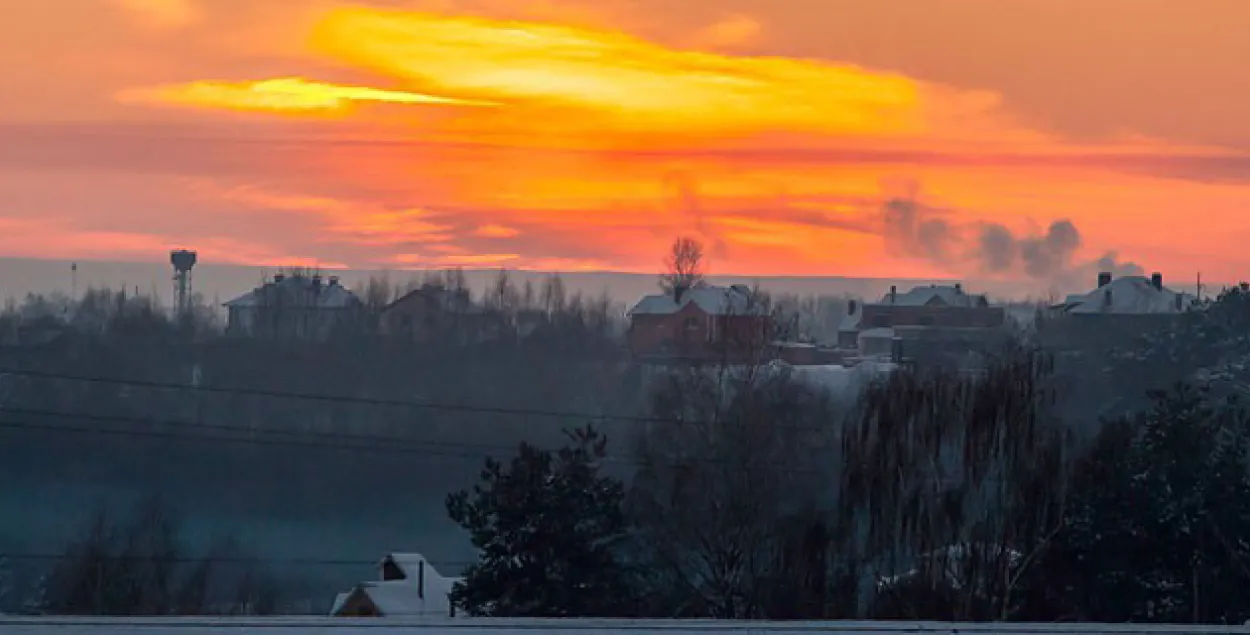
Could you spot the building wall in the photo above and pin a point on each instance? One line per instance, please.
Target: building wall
(691, 333)
(289, 322)
(891, 315)
(423, 319)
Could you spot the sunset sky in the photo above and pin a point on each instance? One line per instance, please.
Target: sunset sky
(962, 138)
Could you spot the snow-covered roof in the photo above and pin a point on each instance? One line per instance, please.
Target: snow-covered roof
(939, 295)
(410, 564)
(735, 300)
(339, 601)
(1130, 295)
(302, 291)
(417, 594)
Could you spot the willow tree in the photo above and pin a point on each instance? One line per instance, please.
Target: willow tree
(952, 484)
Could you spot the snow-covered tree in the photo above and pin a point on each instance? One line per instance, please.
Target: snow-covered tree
(547, 527)
(1158, 526)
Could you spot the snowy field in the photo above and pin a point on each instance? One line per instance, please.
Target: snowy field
(331, 626)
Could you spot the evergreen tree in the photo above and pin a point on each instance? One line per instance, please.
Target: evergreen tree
(1156, 532)
(546, 527)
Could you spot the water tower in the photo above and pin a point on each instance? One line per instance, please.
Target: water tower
(183, 261)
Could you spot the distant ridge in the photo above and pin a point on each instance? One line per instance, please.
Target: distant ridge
(20, 276)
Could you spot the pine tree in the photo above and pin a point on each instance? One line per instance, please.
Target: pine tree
(1156, 531)
(546, 527)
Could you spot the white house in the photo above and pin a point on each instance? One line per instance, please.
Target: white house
(408, 587)
(295, 307)
(1130, 295)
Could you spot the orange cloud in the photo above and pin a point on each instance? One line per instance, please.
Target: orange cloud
(290, 94)
(35, 238)
(496, 231)
(602, 145)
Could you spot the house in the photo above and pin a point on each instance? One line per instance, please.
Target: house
(1130, 295)
(703, 324)
(408, 587)
(1115, 313)
(434, 313)
(295, 306)
(927, 322)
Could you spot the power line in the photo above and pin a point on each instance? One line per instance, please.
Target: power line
(187, 430)
(397, 403)
(197, 427)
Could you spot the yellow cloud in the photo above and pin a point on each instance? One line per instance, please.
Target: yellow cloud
(279, 95)
(618, 76)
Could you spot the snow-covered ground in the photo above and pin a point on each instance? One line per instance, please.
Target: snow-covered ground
(331, 626)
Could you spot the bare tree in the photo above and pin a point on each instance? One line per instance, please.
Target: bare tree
(683, 267)
(729, 469)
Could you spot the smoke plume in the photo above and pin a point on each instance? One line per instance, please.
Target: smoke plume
(911, 229)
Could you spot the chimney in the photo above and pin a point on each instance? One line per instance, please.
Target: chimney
(421, 579)
(279, 277)
(851, 305)
(1104, 279)
(1179, 303)
(893, 293)
(959, 287)
(316, 282)
(334, 281)
(1156, 281)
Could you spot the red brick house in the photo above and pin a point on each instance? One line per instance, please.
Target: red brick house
(705, 324)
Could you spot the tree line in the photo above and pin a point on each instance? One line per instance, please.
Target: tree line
(937, 495)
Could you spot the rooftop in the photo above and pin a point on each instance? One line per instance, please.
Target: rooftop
(734, 300)
(299, 290)
(936, 295)
(1137, 295)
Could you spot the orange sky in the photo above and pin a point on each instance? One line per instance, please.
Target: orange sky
(586, 134)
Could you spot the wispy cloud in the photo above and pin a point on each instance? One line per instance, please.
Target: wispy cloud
(282, 95)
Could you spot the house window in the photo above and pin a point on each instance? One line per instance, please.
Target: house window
(692, 324)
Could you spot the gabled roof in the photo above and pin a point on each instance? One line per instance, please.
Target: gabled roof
(397, 598)
(410, 564)
(445, 299)
(403, 598)
(1129, 295)
(299, 291)
(936, 295)
(735, 300)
